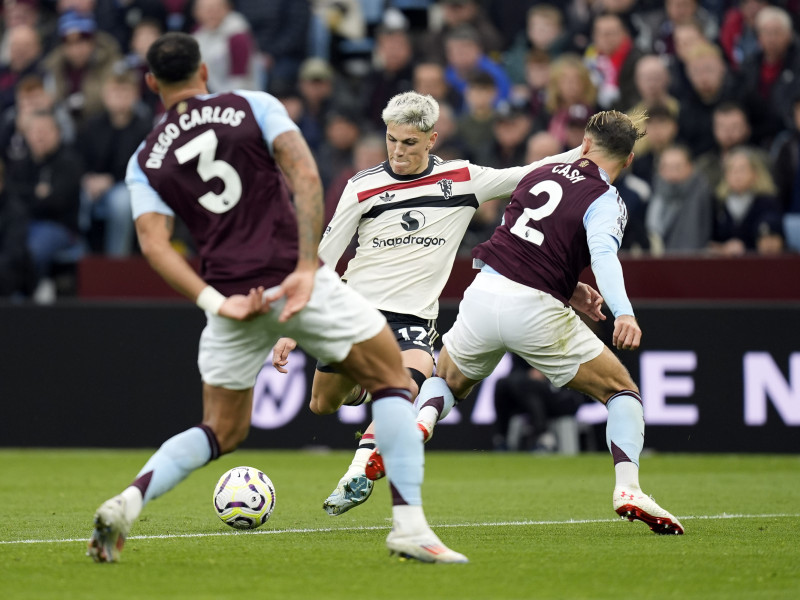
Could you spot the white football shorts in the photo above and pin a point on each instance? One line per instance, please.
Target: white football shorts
(498, 315)
(336, 317)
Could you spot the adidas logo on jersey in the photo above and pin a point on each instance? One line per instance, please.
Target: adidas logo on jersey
(387, 197)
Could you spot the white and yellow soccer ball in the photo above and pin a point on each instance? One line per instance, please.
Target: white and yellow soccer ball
(244, 498)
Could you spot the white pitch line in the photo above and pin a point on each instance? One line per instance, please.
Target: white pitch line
(381, 527)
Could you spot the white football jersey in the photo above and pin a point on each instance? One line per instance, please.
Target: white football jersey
(410, 226)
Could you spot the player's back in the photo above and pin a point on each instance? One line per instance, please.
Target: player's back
(542, 241)
(209, 162)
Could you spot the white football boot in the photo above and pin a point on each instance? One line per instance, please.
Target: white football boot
(349, 493)
(111, 527)
(424, 546)
(634, 504)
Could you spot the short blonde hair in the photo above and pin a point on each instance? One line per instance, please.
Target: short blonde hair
(615, 132)
(763, 184)
(412, 108)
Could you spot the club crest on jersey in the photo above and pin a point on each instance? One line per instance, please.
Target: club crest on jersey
(583, 163)
(446, 185)
(387, 197)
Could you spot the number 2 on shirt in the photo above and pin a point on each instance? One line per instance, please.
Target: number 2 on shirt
(529, 234)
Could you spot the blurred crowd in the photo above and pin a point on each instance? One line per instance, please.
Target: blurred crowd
(517, 80)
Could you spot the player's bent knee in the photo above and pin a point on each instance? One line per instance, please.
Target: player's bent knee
(230, 439)
(321, 406)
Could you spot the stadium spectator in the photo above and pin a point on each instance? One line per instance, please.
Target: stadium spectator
(254, 250)
(31, 97)
(520, 301)
(658, 26)
(612, 58)
(711, 85)
(15, 268)
(107, 142)
(737, 34)
(679, 213)
(316, 84)
(540, 145)
(687, 37)
(747, 216)
(144, 34)
(570, 85)
(455, 15)
(343, 128)
(786, 164)
(80, 63)
(25, 54)
(545, 31)
(281, 32)
(475, 123)
(770, 77)
(429, 78)
(662, 131)
(449, 144)
(227, 44)
(391, 73)
(537, 78)
(47, 182)
(652, 80)
(731, 128)
(369, 150)
(466, 56)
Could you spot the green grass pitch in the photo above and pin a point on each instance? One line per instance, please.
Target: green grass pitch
(532, 526)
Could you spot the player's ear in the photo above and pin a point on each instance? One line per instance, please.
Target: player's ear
(152, 82)
(628, 161)
(203, 72)
(586, 145)
(432, 139)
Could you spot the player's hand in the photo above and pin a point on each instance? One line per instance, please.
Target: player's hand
(627, 334)
(280, 354)
(243, 308)
(588, 300)
(297, 288)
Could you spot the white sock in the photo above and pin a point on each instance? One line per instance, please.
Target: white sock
(627, 475)
(409, 519)
(133, 502)
(359, 463)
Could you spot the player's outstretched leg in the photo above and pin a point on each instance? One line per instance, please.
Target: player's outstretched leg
(434, 402)
(171, 464)
(401, 444)
(353, 488)
(625, 438)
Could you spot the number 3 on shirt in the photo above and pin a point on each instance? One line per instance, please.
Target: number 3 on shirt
(205, 146)
(529, 234)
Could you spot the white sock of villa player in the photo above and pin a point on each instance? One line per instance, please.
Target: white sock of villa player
(401, 448)
(366, 445)
(625, 436)
(171, 464)
(434, 401)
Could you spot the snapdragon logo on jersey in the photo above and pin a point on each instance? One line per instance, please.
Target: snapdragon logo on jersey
(411, 220)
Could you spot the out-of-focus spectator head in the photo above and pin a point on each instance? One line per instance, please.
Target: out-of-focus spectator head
(731, 126)
(121, 92)
(20, 12)
(77, 31)
(393, 50)
(447, 125)
(342, 128)
(81, 6)
(42, 134)
(616, 6)
(774, 30)
(570, 83)
(685, 37)
(429, 78)
(24, 47)
(545, 25)
(144, 34)
(315, 79)
(370, 150)
(662, 127)
(292, 101)
(608, 33)
(537, 69)
(675, 164)
(511, 125)
(651, 78)
(706, 70)
(463, 48)
(750, 8)
(480, 92)
(745, 172)
(459, 12)
(209, 14)
(577, 118)
(541, 145)
(680, 11)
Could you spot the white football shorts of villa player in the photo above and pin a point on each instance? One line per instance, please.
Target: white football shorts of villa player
(410, 226)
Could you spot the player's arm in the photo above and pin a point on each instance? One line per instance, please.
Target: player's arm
(342, 228)
(295, 160)
(154, 231)
(604, 222)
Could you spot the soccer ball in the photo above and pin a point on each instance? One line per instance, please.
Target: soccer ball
(244, 498)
